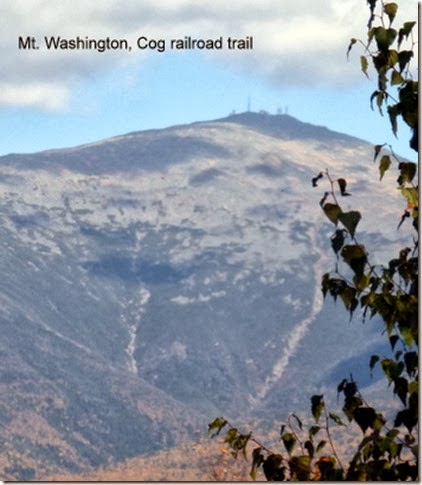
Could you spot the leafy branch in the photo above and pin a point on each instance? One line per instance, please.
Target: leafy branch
(393, 66)
(388, 450)
(308, 464)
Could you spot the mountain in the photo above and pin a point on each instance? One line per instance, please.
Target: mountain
(155, 280)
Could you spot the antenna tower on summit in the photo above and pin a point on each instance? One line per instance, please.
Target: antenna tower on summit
(249, 104)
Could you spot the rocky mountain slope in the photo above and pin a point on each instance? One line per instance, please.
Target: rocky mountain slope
(157, 279)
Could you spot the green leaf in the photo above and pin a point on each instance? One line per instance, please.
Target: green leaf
(365, 417)
(401, 389)
(301, 467)
(392, 369)
(391, 10)
(321, 445)
(352, 43)
(350, 220)
(411, 195)
(231, 436)
(406, 417)
(384, 165)
(342, 386)
(257, 460)
(273, 470)
(289, 442)
(381, 96)
(393, 340)
(317, 406)
(361, 281)
(315, 179)
(355, 257)
(308, 445)
(336, 286)
(404, 32)
(411, 362)
(405, 215)
(408, 334)
(332, 211)
(413, 387)
(371, 33)
(364, 65)
(379, 422)
(384, 37)
(299, 422)
(408, 97)
(348, 297)
(396, 78)
(404, 59)
(325, 284)
(313, 430)
(377, 150)
(328, 471)
(393, 58)
(373, 361)
(336, 419)
(407, 172)
(350, 406)
(216, 426)
(371, 99)
(394, 111)
(398, 354)
(237, 441)
(337, 240)
(392, 433)
(342, 183)
(350, 388)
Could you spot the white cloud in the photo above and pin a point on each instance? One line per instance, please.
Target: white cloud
(51, 97)
(295, 41)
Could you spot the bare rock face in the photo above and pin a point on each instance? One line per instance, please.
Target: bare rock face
(154, 280)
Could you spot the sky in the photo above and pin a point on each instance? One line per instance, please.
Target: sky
(296, 64)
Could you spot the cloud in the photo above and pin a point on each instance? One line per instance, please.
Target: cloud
(51, 97)
(296, 42)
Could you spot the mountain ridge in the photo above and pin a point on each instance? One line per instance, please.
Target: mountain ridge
(277, 124)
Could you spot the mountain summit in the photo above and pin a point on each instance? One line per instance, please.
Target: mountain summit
(154, 280)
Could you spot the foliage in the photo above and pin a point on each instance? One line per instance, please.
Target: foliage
(393, 67)
(388, 448)
(190, 461)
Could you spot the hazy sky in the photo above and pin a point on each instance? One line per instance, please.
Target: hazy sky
(57, 98)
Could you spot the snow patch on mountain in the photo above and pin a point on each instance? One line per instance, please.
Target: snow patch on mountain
(133, 320)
